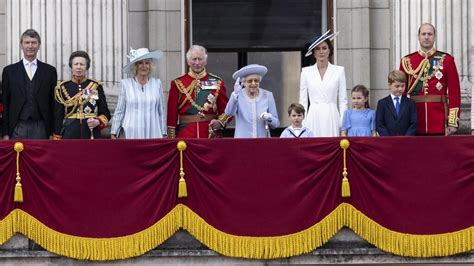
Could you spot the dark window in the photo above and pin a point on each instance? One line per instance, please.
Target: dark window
(251, 24)
(273, 33)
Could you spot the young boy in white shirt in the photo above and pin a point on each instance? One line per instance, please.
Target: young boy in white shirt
(296, 130)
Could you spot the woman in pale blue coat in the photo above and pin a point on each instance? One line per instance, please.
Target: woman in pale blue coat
(254, 108)
(140, 110)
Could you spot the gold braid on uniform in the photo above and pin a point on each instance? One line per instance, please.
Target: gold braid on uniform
(187, 92)
(62, 96)
(223, 119)
(417, 73)
(453, 118)
(171, 132)
(421, 72)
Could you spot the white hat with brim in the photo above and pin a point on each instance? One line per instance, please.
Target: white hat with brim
(138, 55)
(249, 70)
(318, 41)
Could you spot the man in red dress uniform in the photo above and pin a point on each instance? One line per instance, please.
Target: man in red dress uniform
(197, 100)
(433, 83)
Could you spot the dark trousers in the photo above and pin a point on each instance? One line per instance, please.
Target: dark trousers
(30, 129)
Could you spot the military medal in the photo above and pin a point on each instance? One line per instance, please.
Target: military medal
(439, 86)
(198, 86)
(439, 75)
(87, 110)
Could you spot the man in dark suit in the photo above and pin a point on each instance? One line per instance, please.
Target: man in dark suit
(28, 93)
(396, 114)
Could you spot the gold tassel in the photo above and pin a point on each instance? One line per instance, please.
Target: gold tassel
(18, 194)
(182, 187)
(346, 189)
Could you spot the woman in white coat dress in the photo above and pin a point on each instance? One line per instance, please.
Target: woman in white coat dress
(323, 90)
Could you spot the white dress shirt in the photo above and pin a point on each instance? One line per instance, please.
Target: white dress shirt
(34, 66)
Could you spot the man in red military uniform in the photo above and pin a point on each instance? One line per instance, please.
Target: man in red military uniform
(433, 83)
(197, 100)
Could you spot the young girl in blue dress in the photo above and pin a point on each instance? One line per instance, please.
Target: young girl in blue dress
(360, 120)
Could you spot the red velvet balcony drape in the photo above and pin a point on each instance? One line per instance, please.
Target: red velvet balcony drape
(253, 198)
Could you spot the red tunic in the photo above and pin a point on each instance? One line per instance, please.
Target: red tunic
(436, 76)
(200, 97)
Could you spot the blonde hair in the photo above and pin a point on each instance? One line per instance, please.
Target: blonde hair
(396, 76)
(133, 71)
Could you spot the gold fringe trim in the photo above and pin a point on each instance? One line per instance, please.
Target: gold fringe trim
(263, 247)
(7, 228)
(318, 234)
(408, 245)
(90, 248)
(284, 246)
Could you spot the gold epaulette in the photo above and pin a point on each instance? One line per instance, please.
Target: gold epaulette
(62, 83)
(96, 81)
(453, 118)
(214, 76)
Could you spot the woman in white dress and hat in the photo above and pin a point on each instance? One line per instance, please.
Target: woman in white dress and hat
(323, 90)
(254, 108)
(140, 112)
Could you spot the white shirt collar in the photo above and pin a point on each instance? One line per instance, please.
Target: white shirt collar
(393, 97)
(34, 62)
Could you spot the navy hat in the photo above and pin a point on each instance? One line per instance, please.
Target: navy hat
(138, 55)
(318, 40)
(249, 70)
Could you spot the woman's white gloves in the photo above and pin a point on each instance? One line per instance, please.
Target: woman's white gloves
(237, 87)
(266, 116)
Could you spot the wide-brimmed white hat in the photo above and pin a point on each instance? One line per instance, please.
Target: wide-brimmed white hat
(318, 40)
(249, 70)
(138, 55)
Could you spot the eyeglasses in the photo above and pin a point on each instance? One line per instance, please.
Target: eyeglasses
(250, 81)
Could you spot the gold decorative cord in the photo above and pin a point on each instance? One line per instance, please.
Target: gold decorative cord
(192, 87)
(62, 96)
(18, 195)
(346, 189)
(182, 189)
(421, 72)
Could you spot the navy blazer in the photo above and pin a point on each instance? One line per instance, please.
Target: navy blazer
(14, 93)
(389, 124)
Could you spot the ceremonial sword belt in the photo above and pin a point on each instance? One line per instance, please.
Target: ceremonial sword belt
(429, 98)
(186, 119)
(81, 116)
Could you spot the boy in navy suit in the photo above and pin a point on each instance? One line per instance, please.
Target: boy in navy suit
(396, 113)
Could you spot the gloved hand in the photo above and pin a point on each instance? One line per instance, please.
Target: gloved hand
(266, 116)
(92, 122)
(237, 86)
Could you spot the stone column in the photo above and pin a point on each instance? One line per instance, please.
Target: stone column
(165, 22)
(363, 44)
(3, 28)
